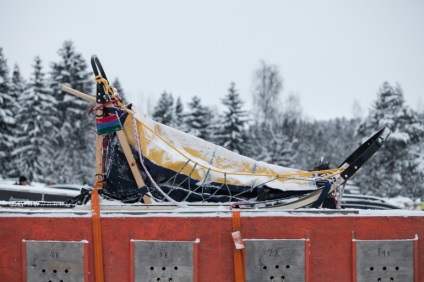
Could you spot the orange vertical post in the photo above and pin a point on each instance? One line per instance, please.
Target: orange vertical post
(238, 254)
(97, 236)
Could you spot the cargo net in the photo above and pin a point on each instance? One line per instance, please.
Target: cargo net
(184, 185)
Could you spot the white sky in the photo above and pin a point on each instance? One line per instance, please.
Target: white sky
(329, 52)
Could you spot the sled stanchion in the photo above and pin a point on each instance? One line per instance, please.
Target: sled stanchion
(132, 163)
(122, 140)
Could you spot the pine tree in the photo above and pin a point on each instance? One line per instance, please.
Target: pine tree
(75, 151)
(396, 168)
(36, 123)
(19, 88)
(7, 120)
(163, 111)
(197, 120)
(178, 120)
(231, 132)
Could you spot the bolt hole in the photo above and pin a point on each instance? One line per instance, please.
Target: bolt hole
(397, 268)
(176, 267)
(371, 268)
(61, 281)
(277, 266)
(43, 270)
(54, 271)
(170, 280)
(264, 267)
(391, 279)
(287, 266)
(272, 277)
(158, 279)
(163, 268)
(283, 277)
(379, 279)
(152, 268)
(384, 268)
(66, 271)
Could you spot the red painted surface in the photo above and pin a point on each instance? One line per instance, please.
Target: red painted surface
(330, 240)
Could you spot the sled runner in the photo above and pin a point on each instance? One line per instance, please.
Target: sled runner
(141, 160)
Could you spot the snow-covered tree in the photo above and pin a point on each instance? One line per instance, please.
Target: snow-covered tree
(231, 131)
(198, 119)
(397, 167)
(270, 146)
(164, 109)
(36, 121)
(178, 120)
(75, 151)
(18, 89)
(7, 120)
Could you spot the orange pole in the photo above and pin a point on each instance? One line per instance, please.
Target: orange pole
(97, 235)
(238, 255)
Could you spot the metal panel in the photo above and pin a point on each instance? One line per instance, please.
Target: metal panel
(163, 261)
(275, 260)
(385, 260)
(54, 261)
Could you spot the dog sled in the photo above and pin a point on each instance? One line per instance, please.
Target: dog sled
(139, 160)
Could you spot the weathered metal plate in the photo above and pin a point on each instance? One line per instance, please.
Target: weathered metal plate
(163, 261)
(275, 260)
(54, 261)
(385, 260)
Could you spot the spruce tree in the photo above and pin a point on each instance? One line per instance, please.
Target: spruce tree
(396, 168)
(197, 120)
(231, 132)
(19, 88)
(178, 120)
(7, 119)
(36, 123)
(163, 111)
(75, 151)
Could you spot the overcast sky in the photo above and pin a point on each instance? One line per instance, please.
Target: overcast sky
(328, 52)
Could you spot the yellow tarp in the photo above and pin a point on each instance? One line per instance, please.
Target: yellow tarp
(207, 162)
